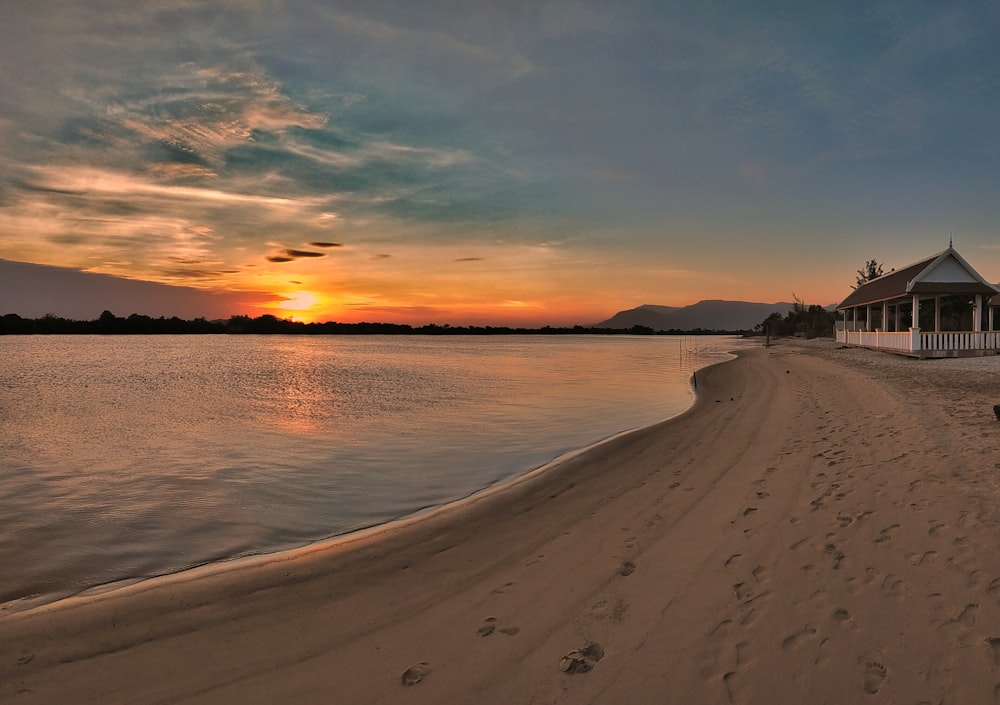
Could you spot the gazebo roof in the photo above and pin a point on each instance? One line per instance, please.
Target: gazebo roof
(942, 274)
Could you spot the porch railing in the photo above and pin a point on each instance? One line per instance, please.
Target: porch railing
(875, 339)
(960, 340)
(915, 340)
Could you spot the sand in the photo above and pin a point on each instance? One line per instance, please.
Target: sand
(821, 527)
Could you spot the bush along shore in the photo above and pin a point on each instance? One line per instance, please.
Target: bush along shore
(136, 324)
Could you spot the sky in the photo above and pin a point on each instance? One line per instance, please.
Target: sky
(508, 162)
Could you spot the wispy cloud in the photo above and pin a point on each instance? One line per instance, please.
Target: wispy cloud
(232, 144)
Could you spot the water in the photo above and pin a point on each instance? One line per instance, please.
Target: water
(126, 457)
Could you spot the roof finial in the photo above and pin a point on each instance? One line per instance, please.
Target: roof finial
(950, 245)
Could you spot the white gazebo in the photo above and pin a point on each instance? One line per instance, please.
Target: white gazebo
(937, 307)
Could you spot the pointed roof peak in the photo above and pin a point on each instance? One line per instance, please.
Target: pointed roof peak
(931, 275)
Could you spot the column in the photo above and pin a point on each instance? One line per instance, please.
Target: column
(885, 316)
(937, 314)
(977, 314)
(916, 312)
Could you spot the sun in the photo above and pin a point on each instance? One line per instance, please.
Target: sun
(299, 302)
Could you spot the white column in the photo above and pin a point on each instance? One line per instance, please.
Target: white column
(916, 312)
(991, 316)
(937, 314)
(896, 326)
(868, 318)
(977, 314)
(885, 316)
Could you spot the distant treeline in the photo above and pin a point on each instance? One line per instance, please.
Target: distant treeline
(803, 321)
(136, 324)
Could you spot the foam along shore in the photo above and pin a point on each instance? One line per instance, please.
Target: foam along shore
(821, 526)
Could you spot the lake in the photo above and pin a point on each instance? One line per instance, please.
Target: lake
(126, 457)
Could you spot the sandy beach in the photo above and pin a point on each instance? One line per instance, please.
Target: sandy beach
(821, 527)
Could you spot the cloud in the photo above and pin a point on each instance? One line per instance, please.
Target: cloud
(198, 112)
(468, 259)
(325, 244)
(304, 253)
(290, 254)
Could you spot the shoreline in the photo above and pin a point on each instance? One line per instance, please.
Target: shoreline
(291, 486)
(801, 512)
(333, 542)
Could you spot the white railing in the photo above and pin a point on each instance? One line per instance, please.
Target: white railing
(964, 340)
(917, 341)
(884, 341)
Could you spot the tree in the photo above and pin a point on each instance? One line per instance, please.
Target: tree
(871, 270)
(803, 321)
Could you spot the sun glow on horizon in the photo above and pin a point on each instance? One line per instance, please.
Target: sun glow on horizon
(303, 305)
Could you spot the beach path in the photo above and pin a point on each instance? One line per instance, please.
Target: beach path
(807, 532)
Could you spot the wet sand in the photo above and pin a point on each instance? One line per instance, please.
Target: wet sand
(822, 526)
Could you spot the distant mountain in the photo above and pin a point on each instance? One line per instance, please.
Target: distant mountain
(707, 315)
(33, 290)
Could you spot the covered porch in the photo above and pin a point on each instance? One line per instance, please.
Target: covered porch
(938, 307)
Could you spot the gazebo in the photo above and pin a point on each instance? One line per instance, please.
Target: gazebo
(942, 293)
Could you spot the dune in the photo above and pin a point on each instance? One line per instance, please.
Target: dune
(820, 527)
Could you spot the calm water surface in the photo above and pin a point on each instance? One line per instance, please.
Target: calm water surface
(126, 457)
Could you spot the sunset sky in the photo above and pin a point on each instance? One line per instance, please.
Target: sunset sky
(497, 162)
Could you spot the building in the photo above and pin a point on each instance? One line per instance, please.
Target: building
(937, 307)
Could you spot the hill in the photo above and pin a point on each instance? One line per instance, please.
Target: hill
(33, 290)
(708, 315)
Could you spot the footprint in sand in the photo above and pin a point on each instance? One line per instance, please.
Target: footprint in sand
(873, 676)
(581, 660)
(795, 546)
(968, 616)
(749, 617)
(886, 534)
(488, 626)
(841, 615)
(627, 568)
(994, 643)
(744, 653)
(730, 681)
(415, 673)
(502, 589)
(838, 555)
(893, 586)
(792, 641)
(920, 558)
(993, 589)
